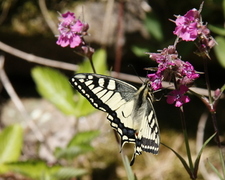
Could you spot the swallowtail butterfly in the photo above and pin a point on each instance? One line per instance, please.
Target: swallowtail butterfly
(130, 110)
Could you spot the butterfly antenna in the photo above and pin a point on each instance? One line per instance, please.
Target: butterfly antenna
(131, 65)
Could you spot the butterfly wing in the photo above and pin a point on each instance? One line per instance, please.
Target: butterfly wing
(145, 122)
(130, 110)
(148, 136)
(112, 96)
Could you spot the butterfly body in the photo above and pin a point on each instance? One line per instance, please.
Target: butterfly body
(130, 110)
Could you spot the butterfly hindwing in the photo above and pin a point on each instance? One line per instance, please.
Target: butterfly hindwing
(130, 110)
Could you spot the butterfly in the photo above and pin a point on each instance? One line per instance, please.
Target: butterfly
(130, 110)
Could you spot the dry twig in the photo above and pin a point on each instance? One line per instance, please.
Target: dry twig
(36, 59)
(18, 103)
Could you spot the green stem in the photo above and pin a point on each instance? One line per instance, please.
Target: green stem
(211, 106)
(186, 139)
(92, 64)
(222, 162)
(207, 80)
(212, 110)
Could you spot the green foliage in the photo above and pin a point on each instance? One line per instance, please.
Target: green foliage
(99, 61)
(11, 140)
(10, 149)
(83, 138)
(83, 107)
(126, 163)
(222, 89)
(153, 26)
(54, 86)
(219, 50)
(139, 51)
(192, 171)
(34, 169)
(38, 170)
(79, 144)
(68, 172)
(215, 170)
(218, 30)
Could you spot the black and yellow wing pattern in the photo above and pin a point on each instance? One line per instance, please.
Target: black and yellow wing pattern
(130, 110)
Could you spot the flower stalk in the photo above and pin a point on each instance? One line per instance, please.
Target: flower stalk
(184, 128)
(172, 68)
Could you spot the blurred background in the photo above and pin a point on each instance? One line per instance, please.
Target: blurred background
(125, 30)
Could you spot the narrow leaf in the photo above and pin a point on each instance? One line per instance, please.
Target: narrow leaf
(222, 88)
(217, 30)
(181, 160)
(215, 170)
(54, 86)
(126, 163)
(200, 153)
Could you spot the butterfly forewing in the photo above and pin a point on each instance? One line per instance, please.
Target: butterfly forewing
(104, 93)
(130, 111)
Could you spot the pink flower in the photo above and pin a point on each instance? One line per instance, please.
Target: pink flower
(178, 96)
(155, 80)
(188, 70)
(71, 31)
(170, 65)
(187, 25)
(190, 27)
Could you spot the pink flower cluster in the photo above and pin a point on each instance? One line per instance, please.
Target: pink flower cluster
(71, 30)
(187, 25)
(170, 67)
(190, 27)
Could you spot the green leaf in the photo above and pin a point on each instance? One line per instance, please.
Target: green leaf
(37, 170)
(83, 138)
(54, 86)
(219, 50)
(181, 160)
(153, 26)
(67, 173)
(222, 88)
(139, 51)
(72, 152)
(215, 170)
(99, 61)
(218, 30)
(200, 153)
(79, 144)
(11, 140)
(83, 107)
